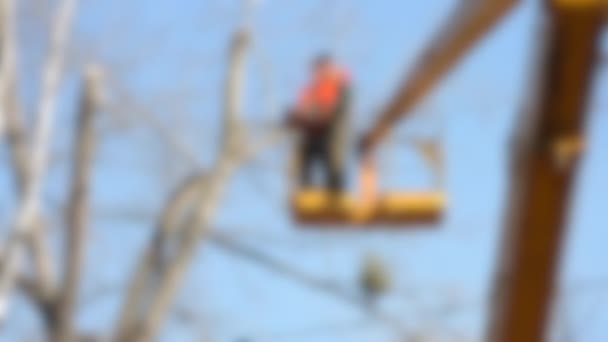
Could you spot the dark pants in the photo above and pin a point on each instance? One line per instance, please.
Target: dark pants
(317, 151)
(325, 146)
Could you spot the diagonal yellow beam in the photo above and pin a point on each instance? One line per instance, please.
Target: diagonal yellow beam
(549, 142)
(471, 20)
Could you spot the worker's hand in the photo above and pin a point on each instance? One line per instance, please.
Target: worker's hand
(290, 120)
(364, 146)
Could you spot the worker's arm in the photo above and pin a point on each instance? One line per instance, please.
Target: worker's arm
(294, 116)
(343, 106)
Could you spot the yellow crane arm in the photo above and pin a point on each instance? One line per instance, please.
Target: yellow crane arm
(471, 20)
(549, 142)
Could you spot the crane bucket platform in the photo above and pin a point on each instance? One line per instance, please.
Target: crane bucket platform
(318, 206)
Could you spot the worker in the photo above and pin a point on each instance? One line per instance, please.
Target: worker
(320, 116)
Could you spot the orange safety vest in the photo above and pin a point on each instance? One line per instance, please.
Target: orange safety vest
(321, 97)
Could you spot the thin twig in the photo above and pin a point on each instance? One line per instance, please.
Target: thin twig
(77, 214)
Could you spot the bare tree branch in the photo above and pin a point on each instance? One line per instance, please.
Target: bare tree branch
(16, 134)
(29, 207)
(232, 246)
(78, 208)
(171, 217)
(126, 106)
(329, 288)
(10, 113)
(161, 283)
(8, 56)
(46, 273)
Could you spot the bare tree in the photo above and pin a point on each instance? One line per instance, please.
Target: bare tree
(78, 207)
(28, 211)
(187, 216)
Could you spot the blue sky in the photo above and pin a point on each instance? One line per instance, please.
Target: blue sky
(177, 50)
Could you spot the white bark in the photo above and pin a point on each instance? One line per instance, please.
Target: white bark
(154, 288)
(7, 55)
(29, 207)
(10, 118)
(13, 128)
(78, 210)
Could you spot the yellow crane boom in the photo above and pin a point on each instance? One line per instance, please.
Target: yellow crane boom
(470, 22)
(549, 142)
